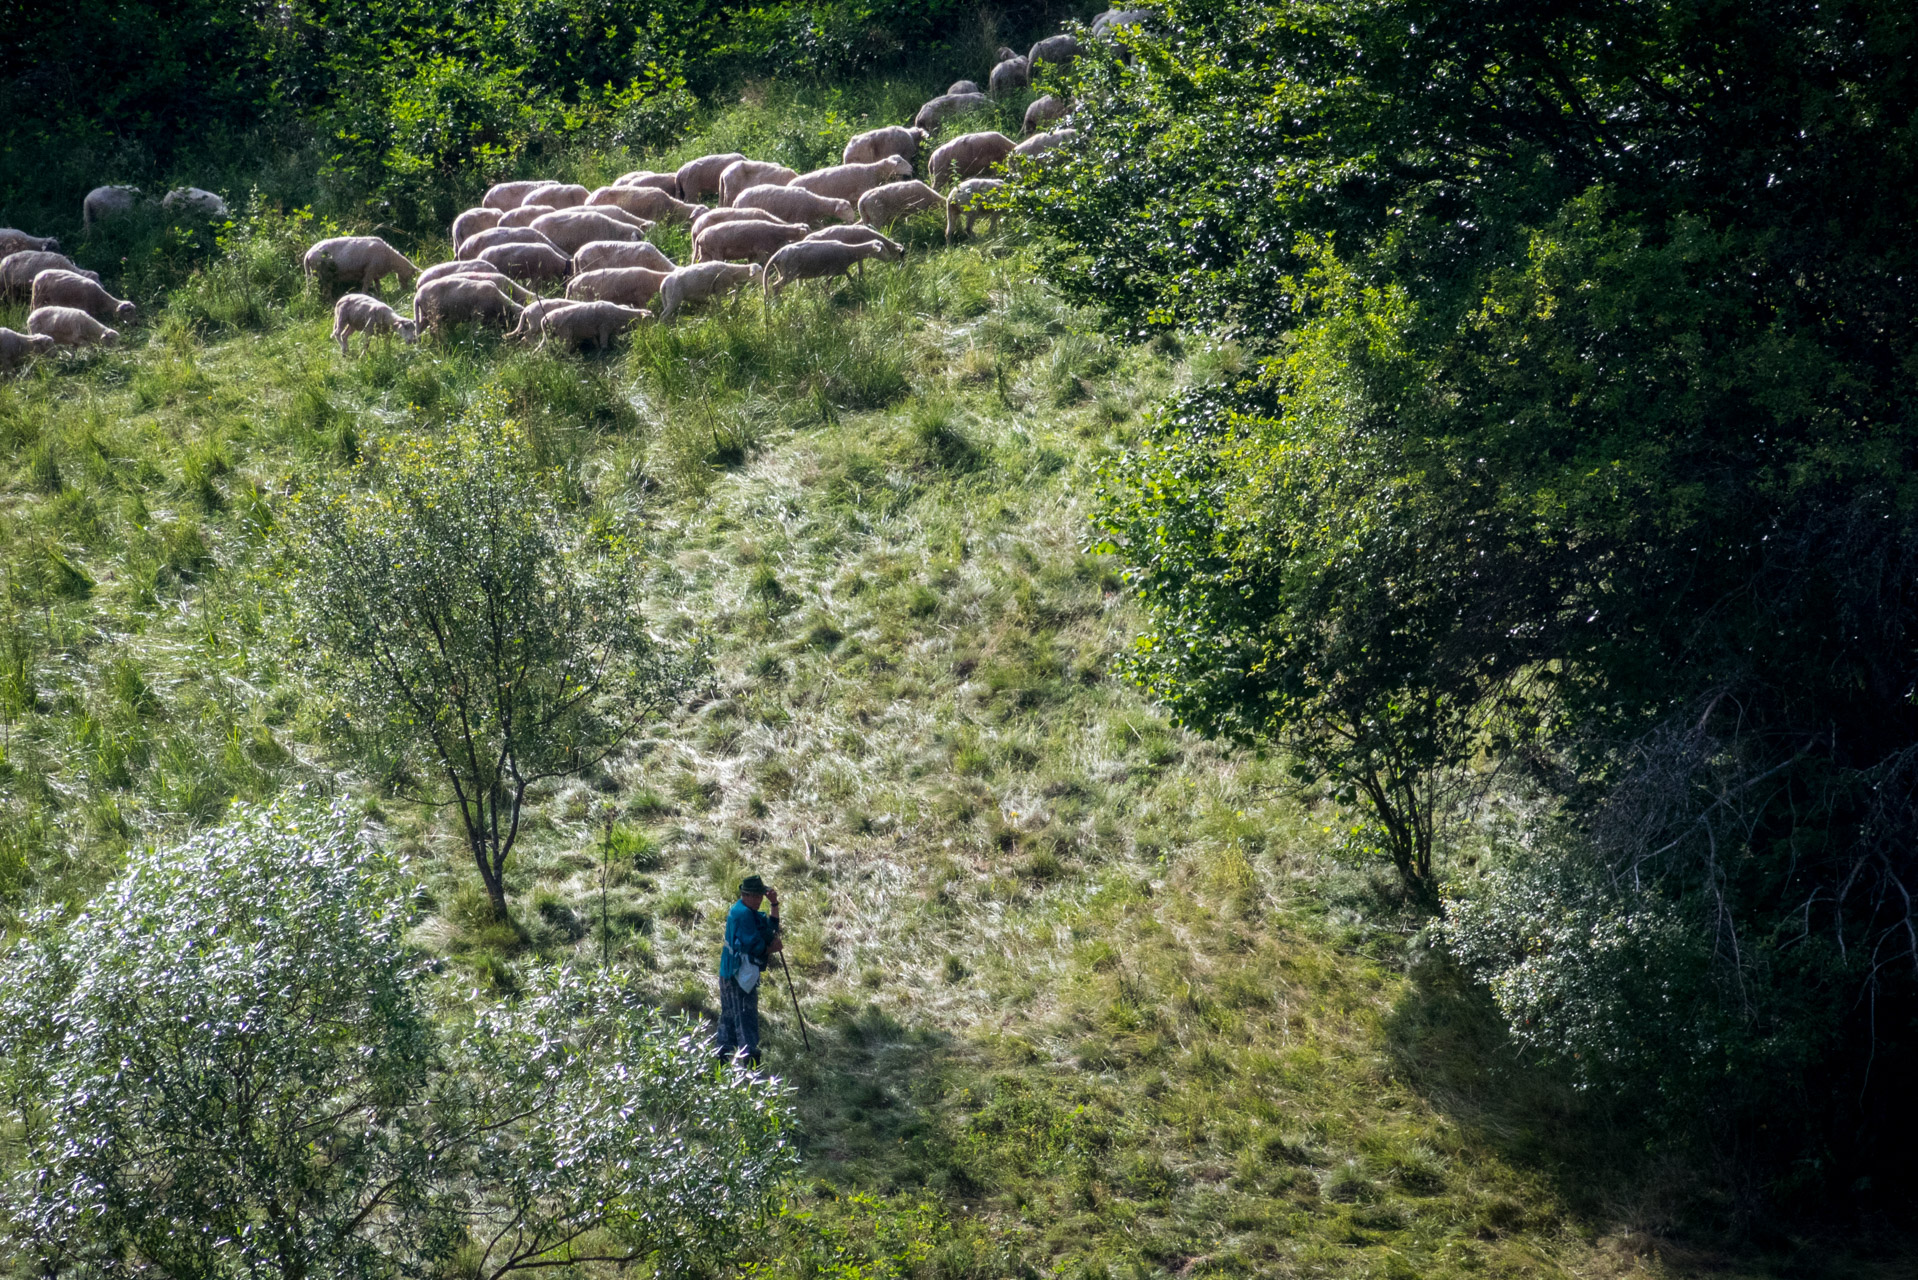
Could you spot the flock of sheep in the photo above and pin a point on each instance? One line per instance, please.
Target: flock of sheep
(770, 225)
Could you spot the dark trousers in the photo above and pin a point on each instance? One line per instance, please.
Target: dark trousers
(738, 1022)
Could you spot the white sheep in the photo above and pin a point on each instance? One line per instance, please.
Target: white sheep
(877, 144)
(473, 221)
(795, 205)
(476, 271)
(850, 181)
(360, 313)
(946, 106)
(741, 174)
(602, 255)
(511, 195)
(15, 348)
(1113, 19)
(967, 199)
(578, 323)
(1014, 72)
(102, 203)
(726, 213)
(561, 195)
(1040, 143)
(572, 229)
(700, 178)
(652, 203)
(667, 182)
(17, 270)
(57, 288)
(528, 263)
(70, 327)
(526, 215)
(12, 241)
(962, 86)
(1045, 110)
(366, 259)
(533, 313)
(968, 156)
(817, 260)
(629, 286)
(195, 201)
(754, 241)
(480, 241)
(460, 299)
(883, 206)
(858, 233)
(703, 281)
(1060, 48)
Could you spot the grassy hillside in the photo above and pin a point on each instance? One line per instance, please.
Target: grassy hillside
(1087, 995)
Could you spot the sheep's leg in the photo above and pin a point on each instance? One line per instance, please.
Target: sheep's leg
(343, 335)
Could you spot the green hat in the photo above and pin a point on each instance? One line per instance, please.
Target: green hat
(752, 884)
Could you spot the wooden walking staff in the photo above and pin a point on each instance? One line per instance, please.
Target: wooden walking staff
(795, 998)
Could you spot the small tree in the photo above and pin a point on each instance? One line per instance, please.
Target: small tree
(471, 637)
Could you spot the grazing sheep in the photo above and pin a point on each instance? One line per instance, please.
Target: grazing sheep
(1061, 48)
(528, 263)
(883, 206)
(1045, 110)
(968, 157)
(877, 144)
(530, 317)
(480, 241)
(629, 286)
(962, 86)
(890, 250)
(12, 241)
(653, 203)
(577, 323)
(741, 174)
(700, 178)
(477, 271)
(667, 182)
(194, 201)
(359, 313)
(573, 229)
(102, 203)
(57, 288)
(816, 260)
(968, 199)
(367, 259)
(755, 241)
(561, 195)
(1112, 19)
(945, 106)
(16, 347)
(526, 215)
(603, 255)
(1040, 143)
(1011, 73)
(17, 270)
(473, 221)
(70, 327)
(698, 283)
(462, 299)
(850, 181)
(511, 195)
(725, 213)
(795, 205)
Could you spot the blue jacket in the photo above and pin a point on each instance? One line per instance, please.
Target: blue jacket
(749, 933)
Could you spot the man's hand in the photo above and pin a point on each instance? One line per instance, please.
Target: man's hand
(779, 944)
(772, 896)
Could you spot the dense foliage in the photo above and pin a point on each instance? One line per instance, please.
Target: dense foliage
(1581, 447)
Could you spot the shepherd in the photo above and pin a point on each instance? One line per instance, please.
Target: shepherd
(752, 939)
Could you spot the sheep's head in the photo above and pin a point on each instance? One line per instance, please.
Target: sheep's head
(410, 332)
(125, 311)
(39, 343)
(108, 337)
(900, 166)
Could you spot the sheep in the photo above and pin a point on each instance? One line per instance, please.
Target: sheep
(1040, 143)
(795, 205)
(724, 213)
(17, 270)
(528, 263)
(526, 215)
(359, 313)
(1011, 73)
(578, 323)
(1045, 110)
(57, 288)
(741, 174)
(703, 281)
(850, 181)
(654, 203)
(476, 271)
(630, 286)
(968, 157)
(962, 86)
(604, 255)
(815, 260)
(877, 144)
(883, 206)
(16, 347)
(891, 250)
(480, 241)
(573, 229)
(102, 203)
(459, 299)
(700, 178)
(1060, 48)
(967, 199)
(529, 319)
(561, 195)
(367, 259)
(12, 242)
(945, 106)
(667, 182)
(1112, 19)
(510, 195)
(70, 327)
(194, 201)
(472, 221)
(753, 240)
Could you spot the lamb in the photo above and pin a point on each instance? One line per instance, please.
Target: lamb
(480, 241)
(57, 288)
(604, 255)
(573, 229)
(529, 319)
(526, 215)
(741, 174)
(883, 206)
(962, 86)
(12, 241)
(724, 213)
(1045, 110)
(795, 205)
(528, 262)
(460, 299)
(17, 270)
(653, 203)
(359, 313)
(193, 200)
(700, 178)
(367, 259)
(1040, 143)
(476, 271)
(577, 323)
(698, 283)
(890, 250)
(969, 199)
(16, 347)
(70, 327)
(561, 195)
(850, 181)
(816, 260)
(1011, 73)
(629, 286)
(667, 182)
(1060, 48)
(968, 157)
(472, 221)
(102, 203)
(877, 144)
(510, 195)
(756, 241)
(945, 106)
